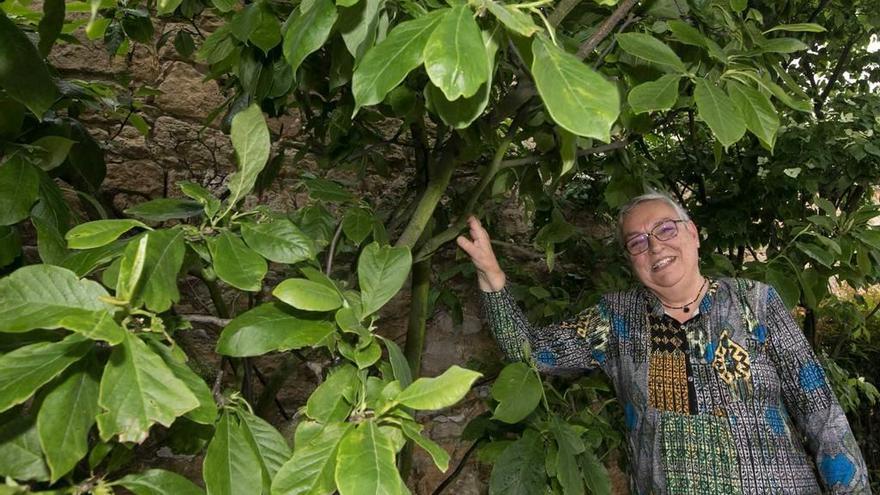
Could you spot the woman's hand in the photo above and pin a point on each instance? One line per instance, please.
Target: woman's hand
(479, 248)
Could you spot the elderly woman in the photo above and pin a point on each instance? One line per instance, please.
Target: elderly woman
(719, 386)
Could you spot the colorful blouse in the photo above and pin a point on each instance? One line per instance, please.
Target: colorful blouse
(721, 404)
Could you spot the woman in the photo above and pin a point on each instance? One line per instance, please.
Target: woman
(718, 383)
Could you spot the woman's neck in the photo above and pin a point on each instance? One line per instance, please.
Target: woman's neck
(687, 292)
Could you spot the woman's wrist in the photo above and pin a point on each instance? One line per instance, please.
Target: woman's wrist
(491, 282)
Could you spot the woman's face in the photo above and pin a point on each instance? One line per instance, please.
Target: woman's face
(665, 264)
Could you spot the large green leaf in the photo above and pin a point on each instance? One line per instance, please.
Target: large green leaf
(51, 151)
(250, 138)
(206, 413)
(50, 25)
(399, 364)
(331, 401)
(357, 224)
(279, 240)
(689, 35)
(308, 31)
(158, 482)
(385, 65)
(20, 454)
(595, 474)
(514, 19)
(804, 27)
(19, 186)
(28, 368)
(66, 415)
(783, 45)
(719, 113)
(307, 295)
(312, 467)
(455, 58)
(271, 448)
(99, 233)
(84, 262)
(231, 466)
(235, 263)
(438, 392)
(209, 202)
(578, 98)
(51, 206)
(271, 327)
(382, 270)
(23, 74)
(365, 463)
(519, 470)
(655, 95)
(759, 114)
(412, 430)
(43, 296)
(357, 25)
(518, 392)
(137, 390)
(649, 48)
(162, 262)
(161, 209)
(10, 244)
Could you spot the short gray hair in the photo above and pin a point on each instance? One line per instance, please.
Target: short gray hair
(649, 196)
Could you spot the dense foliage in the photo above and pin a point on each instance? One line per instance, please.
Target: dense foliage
(758, 115)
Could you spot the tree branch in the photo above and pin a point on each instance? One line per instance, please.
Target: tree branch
(209, 319)
(838, 70)
(605, 28)
(529, 160)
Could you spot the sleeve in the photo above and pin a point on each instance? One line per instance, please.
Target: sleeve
(578, 343)
(811, 403)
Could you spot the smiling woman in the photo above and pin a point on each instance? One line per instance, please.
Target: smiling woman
(717, 380)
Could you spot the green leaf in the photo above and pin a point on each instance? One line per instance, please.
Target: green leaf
(758, 113)
(307, 295)
(365, 463)
(455, 58)
(647, 47)
(357, 25)
(818, 253)
(518, 392)
(161, 209)
(719, 113)
(386, 64)
(567, 472)
(271, 448)
(804, 27)
(514, 20)
(137, 25)
(209, 202)
(519, 470)
(308, 32)
(158, 482)
(267, 32)
(279, 240)
(224, 5)
(23, 74)
(84, 262)
(399, 364)
(19, 186)
(53, 150)
(382, 270)
(783, 45)
(235, 263)
(10, 245)
(163, 260)
(20, 454)
(50, 25)
(250, 138)
(165, 7)
(99, 233)
(137, 390)
(25, 302)
(66, 415)
(357, 224)
(595, 474)
(578, 98)
(327, 190)
(738, 6)
(206, 412)
(28, 368)
(331, 400)
(438, 392)
(779, 276)
(312, 467)
(412, 430)
(231, 466)
(655, 95)
(271, 327)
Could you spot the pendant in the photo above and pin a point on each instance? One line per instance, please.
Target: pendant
(686, 309)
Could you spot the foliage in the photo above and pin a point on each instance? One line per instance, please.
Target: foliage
(720, 102)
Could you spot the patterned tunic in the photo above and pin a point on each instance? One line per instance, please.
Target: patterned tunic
(716, 405)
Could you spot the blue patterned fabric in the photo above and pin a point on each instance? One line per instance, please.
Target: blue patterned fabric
(719, 404)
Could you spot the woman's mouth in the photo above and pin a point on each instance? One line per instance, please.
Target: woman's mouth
(662, 263)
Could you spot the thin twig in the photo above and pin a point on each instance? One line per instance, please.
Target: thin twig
(529, 160)
(209, 319)
(517, 249)
(605, 28)
(455, 472)
(332, 250)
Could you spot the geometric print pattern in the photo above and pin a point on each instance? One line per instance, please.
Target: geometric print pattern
(731, 401)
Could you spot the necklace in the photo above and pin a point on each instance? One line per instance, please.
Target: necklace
(686, 307)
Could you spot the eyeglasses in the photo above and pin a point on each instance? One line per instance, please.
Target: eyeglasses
(663, 231)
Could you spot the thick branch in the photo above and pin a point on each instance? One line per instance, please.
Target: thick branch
(838, 70)
(605, 28)
(529, 160)
(209, 319)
